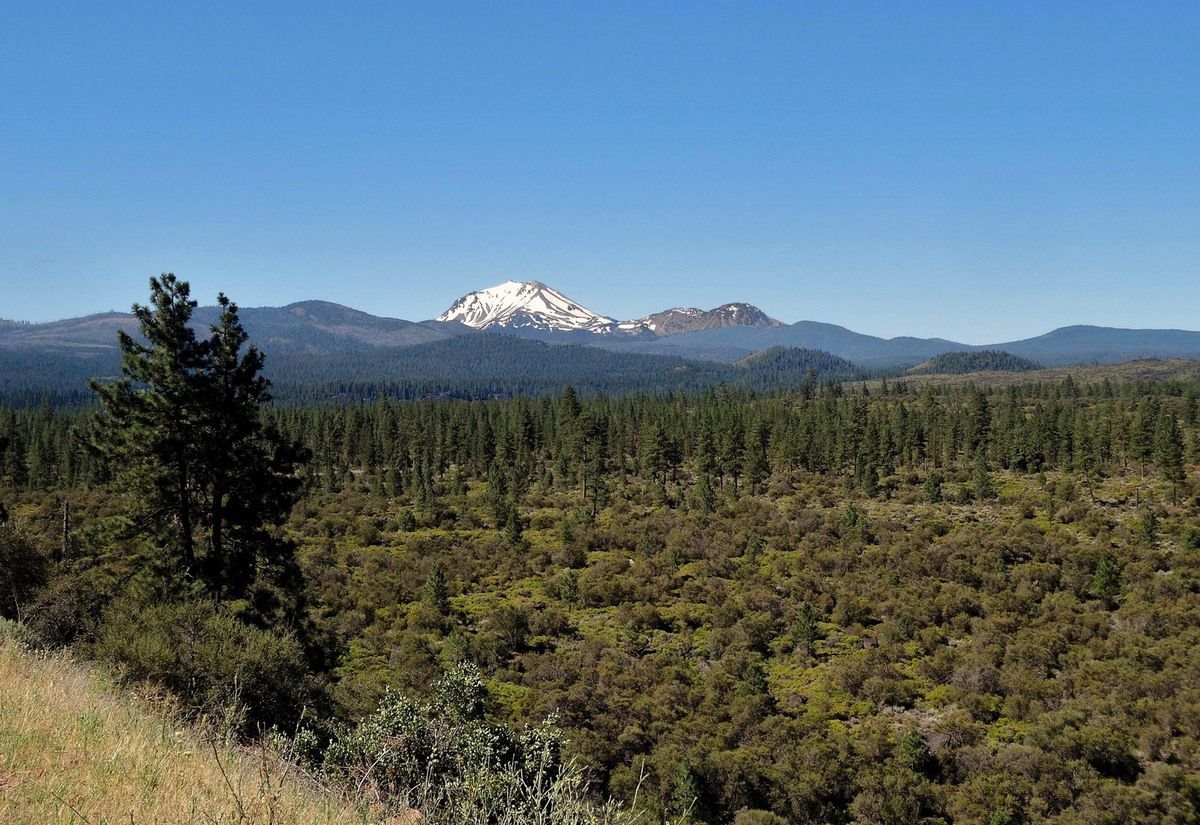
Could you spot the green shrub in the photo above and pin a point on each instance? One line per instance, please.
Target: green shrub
(70, 606)
(217, 665)
(23, 570)
(404, 743)
(16, 633)
(444, 759)
(758, 818)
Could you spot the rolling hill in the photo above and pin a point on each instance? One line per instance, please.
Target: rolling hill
(959, 363)
(1105, 345)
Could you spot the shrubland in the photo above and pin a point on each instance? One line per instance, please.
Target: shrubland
(884, 605)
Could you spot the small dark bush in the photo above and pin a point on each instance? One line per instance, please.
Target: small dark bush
(23, 571)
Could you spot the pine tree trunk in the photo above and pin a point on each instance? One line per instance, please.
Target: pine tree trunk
(216, 533)
(66, 530)
(185, 519)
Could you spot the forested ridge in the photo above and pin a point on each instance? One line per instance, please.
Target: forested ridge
(887, 605)
(467, 367)
(958, 363)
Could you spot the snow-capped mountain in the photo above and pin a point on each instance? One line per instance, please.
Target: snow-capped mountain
(525, 305)
(532, 308)
(690, 319)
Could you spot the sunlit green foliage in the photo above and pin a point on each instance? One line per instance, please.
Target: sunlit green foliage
(944, 604)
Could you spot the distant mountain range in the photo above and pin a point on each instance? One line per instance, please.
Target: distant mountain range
(735, 330)
(308, 326)
(532, 309)
(324, 341)
(679, 320)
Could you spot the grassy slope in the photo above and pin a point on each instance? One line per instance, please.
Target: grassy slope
(72, 750)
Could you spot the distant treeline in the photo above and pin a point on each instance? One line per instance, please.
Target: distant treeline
(729, 435)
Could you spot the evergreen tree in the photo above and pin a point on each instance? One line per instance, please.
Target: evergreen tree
(183, 432)
(1141, 432)
(755, 467)
(247, 471)
(655, 455)
(150, 418)
(1168, 449)
(706, 499)
(436, 593)
(932, 487)
(807, 629)
(1106, 582)
(592, 449)
(514, 528)
(981, 477)
(497, 496)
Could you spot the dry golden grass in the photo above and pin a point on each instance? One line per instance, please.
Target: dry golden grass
(73, 750)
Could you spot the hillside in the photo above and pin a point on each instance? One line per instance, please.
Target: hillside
(73, 749)
(479, 365)
(1143, 370)
(957, 363)
(485, 365)
(70, 335)
(1105, 345)
(733, 343)
(322, 327)
(307, 326)
(790, 367)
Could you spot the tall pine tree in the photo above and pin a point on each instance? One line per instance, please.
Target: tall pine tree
(183, 432)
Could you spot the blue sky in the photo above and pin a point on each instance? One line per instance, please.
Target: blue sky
(978, 171)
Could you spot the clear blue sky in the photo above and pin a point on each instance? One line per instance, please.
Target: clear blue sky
(979, 171)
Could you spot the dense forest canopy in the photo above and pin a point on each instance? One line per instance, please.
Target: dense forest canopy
(959, 363)
(725, 434)
(468, 367)
(889, 604)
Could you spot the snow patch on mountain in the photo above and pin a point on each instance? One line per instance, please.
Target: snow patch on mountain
(525, 305)
(533, 306)
(690, 319)
(667, 322)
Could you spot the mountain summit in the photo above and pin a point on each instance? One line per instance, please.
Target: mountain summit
(532, 307)
(525, 305)
(690, 319)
